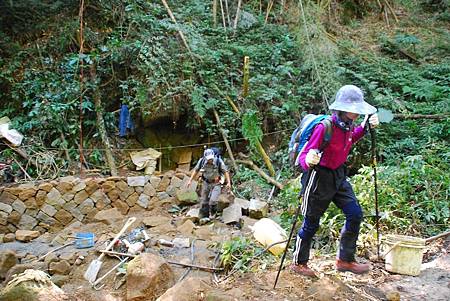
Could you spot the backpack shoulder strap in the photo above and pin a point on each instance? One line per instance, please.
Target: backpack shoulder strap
(328, 124)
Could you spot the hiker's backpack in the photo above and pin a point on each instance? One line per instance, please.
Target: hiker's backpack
(303, 132)
(217, 152)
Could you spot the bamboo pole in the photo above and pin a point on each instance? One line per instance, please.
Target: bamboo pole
(261, 172)
(246, 76)
(214, 12)
(227, 12)
(269, 8)
(223, 15)
(183, 38)
(225, 139)
(238, 11)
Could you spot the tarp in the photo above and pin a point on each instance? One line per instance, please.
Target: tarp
(13, 136)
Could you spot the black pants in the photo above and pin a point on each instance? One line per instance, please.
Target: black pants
(320, 186)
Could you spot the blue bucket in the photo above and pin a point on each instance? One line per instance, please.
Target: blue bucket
(84, 240)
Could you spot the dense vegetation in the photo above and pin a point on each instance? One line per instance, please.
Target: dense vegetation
(300, 53)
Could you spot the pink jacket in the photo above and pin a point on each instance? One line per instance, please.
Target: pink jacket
(336, 153)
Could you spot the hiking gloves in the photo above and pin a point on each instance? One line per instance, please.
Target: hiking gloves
(374, 121)
(312, 157)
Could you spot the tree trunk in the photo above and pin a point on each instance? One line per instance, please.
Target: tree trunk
(101, 124)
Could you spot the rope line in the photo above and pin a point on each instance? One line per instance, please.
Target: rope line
(158, 148)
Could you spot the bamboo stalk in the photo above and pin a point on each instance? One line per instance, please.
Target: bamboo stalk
(227, 12)
(223, 15)
(214, 12)
(246, 76)
(269, 8)
(261, 172)
(238, 11)
(391, 10)
(225, 139)
(183, 38)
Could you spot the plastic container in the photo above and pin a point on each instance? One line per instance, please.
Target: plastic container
(84, 240)
(267, 232)
(406, 254)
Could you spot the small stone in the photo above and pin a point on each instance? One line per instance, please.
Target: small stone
(54, 198)
(244, 204)
(149, 189)
(5, 208)
(14, 217)
(26, 235)
(132, 199)
(121, 206)
(27, 222)
(61, 268)
(143, 201)
(49, 210)
(136, 181)
(64, 217)
(108, 186)
(78, 187)
(193, 214)
(232, 214)
(27, 193)
(19, 206)
(9, 237)
(187, 227)
(181, 242)
(121, 185)
(46, 187)
(258, 209)
(41, 195)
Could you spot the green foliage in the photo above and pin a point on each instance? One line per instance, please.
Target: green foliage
(237, 254)
(251, 127)
(412, 194)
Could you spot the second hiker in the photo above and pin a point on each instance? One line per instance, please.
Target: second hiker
(212, 168)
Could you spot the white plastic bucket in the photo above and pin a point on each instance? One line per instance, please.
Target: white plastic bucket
(404, 254)
(268, 232)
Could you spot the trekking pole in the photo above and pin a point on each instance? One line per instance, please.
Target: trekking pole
(294, 223)
(374, 166)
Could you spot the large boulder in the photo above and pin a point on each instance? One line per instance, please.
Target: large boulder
(148, 277)
(190, 289)
(32, 285)
(8, 259)
(187, 197)
(108, 216)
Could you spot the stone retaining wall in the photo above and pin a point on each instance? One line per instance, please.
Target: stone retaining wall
(49, 206)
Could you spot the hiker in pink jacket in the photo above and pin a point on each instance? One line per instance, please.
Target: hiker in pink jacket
(324, 180)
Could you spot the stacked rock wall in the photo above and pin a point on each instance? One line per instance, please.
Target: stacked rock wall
(49, 206)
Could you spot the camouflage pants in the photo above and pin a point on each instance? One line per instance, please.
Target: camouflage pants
(210, 193)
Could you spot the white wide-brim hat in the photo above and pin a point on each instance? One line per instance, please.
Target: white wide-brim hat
(350, 99)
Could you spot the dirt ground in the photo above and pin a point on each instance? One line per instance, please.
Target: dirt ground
(433, 283)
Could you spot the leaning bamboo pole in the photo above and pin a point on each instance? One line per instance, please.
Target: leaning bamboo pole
(225, 139)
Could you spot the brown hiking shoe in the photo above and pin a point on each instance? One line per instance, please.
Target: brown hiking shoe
(354, 267)
(302, 269)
